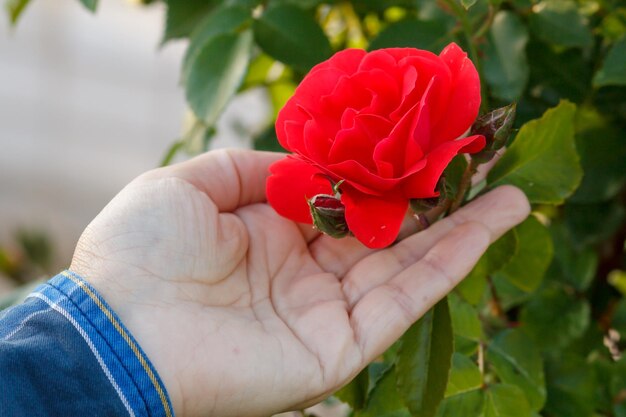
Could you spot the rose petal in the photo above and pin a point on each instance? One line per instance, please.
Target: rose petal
(464, 98)
(292, 182)
(404, 146)
(422, 184)
(347, 61)
(361, 178)
(357, 140)
(374, 221)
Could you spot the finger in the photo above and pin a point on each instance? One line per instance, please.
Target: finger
(231, 178)
(498, 210)
(387, 311)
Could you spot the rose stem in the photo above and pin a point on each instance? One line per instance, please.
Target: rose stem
(496, 306)
(464, 184)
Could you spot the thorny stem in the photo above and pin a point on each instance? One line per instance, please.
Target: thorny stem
(466, 182)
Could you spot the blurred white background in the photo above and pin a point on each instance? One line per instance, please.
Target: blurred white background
(87, 102)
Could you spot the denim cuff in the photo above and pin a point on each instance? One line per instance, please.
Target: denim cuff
(122, 360)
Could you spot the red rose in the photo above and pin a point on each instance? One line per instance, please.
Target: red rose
(385, 122)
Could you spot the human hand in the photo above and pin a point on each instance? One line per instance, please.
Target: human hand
(245, 313)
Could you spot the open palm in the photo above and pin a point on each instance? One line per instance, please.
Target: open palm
(245, 313)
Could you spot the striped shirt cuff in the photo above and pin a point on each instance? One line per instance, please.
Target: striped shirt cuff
(124, 363)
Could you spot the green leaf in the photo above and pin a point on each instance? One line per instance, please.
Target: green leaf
(570, 80)
(553, 318)
(216, 73)
(577, 267)
(91, 5)
(516, 361)
(590, 224)
(384, 399)
(412, 32)
(292, 36)
(571, 387)
(15, 8)
(224, 20)
(424, 360)
(496, 257)
(453, 173)
(526, 269)
(505, 66)
(464, 376)
(619, 318)
(613, 70)
(542, 160)
(183, 16)
(465, 324)
(561, 23)
(355, 393)
(602, 151)
(466, 404)
(503, 400)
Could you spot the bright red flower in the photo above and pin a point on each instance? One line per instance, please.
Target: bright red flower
(385, 122)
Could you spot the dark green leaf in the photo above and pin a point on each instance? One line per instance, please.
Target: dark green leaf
(464, 376)
(602, 150)
(424, 360)
(613, 71)
(90, 4)
(384, 399)
(503, 400)
(15, 8)
(577, 267)
(183, 16)
(571, 386)
(224, 20)
(216, 73)
(496, 257)
(589, 224)
(561, 23)
(466, 404)
(619, 318)
(553, 318)
(355, 393)
(505, 65)
(292, 36)
(542, 160)
(516, 361)
(453, 173)
(571, 79)
(431, 35)
(527, 268)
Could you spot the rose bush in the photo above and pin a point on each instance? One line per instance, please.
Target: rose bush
(383, 125)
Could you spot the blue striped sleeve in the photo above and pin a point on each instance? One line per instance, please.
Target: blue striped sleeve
(64, 352)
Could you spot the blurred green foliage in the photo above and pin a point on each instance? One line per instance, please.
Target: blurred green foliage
(539, 326)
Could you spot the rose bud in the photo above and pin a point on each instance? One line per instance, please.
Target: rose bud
(496, 127)
(328, 214)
